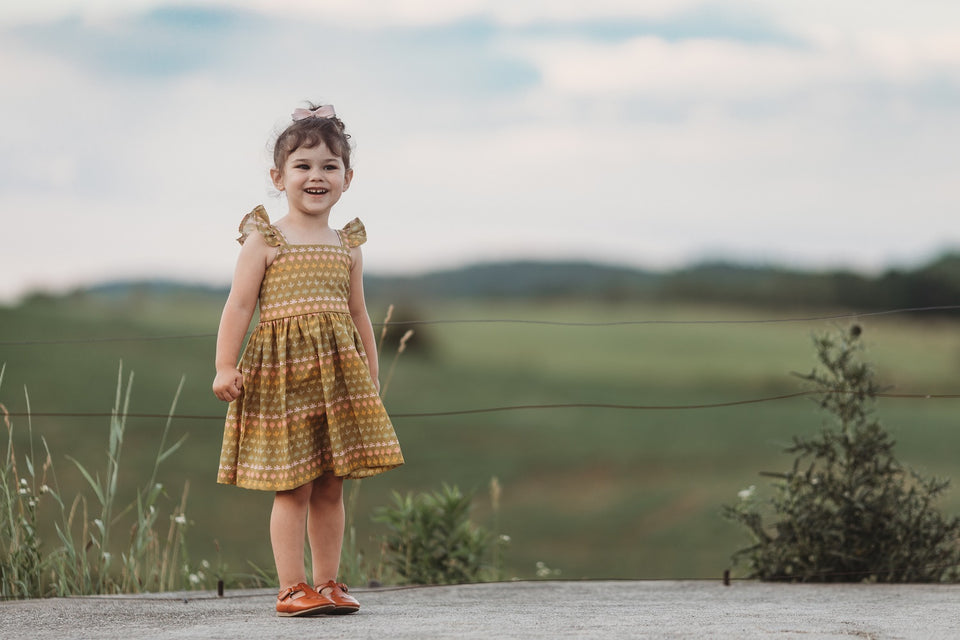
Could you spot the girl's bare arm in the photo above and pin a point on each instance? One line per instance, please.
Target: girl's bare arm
(237, 312)
(358, 310)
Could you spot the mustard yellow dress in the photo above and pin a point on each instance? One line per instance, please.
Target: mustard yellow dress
(308, 405)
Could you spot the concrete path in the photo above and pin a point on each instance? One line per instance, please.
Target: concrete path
(645, 609)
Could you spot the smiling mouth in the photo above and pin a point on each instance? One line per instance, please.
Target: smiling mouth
(316, 192)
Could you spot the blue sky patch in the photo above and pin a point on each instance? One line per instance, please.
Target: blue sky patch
(164, 42)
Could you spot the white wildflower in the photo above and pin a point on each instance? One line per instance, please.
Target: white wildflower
(194, 578)
(204, 564)
(504, 538)
(24, 492)
(181, 519)
(44, 489)
(23, 482)
(747, 493)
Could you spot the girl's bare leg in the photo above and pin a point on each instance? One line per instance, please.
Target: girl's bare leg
(325, 527)
(287, 522)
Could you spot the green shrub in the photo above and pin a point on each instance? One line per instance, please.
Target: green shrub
(848, 510)
(431, 539)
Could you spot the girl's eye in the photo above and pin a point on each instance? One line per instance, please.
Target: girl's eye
(331, 167)
(301, 166)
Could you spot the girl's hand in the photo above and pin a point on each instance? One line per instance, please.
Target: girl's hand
(227, 384)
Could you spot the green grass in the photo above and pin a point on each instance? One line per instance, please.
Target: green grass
(101, 546)
(592, 492)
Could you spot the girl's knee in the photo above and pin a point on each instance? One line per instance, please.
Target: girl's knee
(328, 488)
(300, 495)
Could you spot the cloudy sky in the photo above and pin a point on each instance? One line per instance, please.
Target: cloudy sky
(813, 133)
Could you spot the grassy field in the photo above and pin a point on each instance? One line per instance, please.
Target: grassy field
(591, 492)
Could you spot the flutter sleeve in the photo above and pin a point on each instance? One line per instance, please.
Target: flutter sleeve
(258, 221)
(355, 233)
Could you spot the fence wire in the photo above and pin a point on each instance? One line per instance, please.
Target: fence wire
(519, 407)
(263, 592)
(559, 323)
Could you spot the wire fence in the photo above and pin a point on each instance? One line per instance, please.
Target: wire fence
(245, 593)
(524, 407)
(521, 321)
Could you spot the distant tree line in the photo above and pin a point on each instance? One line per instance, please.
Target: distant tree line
(934, 284)
(931, 285)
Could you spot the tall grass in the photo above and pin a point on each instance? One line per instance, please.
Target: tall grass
(101, 547)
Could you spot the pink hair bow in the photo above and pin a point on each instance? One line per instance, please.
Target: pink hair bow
(325, 111)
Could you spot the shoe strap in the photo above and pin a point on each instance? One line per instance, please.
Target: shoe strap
(289, 591)
(332, 584)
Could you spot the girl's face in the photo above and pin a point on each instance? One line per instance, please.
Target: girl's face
(313, 179)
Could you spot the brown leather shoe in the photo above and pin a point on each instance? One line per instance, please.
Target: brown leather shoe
(309, 603)
(337, 592)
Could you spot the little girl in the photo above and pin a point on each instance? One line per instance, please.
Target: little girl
(305, 409)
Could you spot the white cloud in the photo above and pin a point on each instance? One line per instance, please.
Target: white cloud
(662, 70)
(694, 70)
(916, 20)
